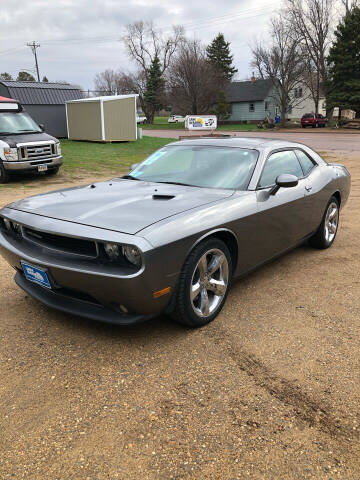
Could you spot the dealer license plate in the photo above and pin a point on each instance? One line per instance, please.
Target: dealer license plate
(36, 275)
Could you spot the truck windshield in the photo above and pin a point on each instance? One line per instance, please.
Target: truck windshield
(14, 123)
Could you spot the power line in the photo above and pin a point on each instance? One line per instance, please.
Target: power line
(34, 46)
(200, 24)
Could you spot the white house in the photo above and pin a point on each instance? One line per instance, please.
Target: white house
(304, 103)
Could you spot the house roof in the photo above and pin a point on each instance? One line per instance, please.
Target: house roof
(248, 91)
(41, 93)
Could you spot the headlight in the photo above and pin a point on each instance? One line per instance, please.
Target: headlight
(132, 254)
(11, 154)
(115, 252)
(58, 148)
(112, 250)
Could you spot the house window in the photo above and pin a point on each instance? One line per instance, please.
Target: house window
(251, 107)
(298, 92)
(266, 106)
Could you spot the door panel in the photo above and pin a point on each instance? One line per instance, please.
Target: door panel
(283, 219)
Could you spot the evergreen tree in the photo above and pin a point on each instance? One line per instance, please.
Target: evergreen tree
(154, 93)
(25, 77)
(344, 64)
(218, 53)
(45, 79)
(5, 76)
(222, 108)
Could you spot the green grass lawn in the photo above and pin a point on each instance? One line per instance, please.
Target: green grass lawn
(92, 157)
(161, 123)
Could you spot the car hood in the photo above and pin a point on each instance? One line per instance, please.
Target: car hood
(122, 205)
(13, 140)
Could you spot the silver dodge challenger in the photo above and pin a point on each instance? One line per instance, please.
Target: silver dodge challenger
(170, 236)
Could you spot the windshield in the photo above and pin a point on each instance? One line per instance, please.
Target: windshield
(200, 166)
(13, 123)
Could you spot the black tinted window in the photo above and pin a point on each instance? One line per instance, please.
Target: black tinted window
(278, 163)
(305, 161)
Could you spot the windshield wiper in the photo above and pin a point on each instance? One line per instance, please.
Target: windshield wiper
(6, 133)
(178, 183)
(129, 177)
(32, 131)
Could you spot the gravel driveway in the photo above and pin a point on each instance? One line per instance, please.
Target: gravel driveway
(270, 390)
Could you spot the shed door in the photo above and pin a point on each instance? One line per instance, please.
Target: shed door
(120, 119)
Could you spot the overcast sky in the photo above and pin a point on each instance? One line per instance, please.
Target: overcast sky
(82, 37)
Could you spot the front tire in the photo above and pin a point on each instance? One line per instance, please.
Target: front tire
(203, 285)
(4, 176)
(53, 171)
(326, 233)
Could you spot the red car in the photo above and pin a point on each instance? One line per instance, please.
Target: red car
(313, 120)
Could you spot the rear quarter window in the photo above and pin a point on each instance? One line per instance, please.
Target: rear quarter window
(306, 163)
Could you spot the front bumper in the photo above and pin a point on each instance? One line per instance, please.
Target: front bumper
(81, 308)
(87, 288)
(32, 165)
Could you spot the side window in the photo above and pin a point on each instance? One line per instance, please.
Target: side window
(251, 107)
(278, 163)
(306, 163)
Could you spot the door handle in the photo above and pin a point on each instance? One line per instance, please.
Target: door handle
(308, 189)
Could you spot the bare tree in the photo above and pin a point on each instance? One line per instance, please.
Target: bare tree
(144, 42)
(349, 4)
(192, 81)
(107, 82)
(311, 22)
(282, 62)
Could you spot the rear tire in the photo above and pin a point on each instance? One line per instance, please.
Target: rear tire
(326, 233)
(4, 176)
(204, 283)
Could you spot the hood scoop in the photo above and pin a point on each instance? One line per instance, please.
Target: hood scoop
(159, 196)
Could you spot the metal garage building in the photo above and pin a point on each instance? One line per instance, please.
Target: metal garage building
(44, 101)
(103, 119)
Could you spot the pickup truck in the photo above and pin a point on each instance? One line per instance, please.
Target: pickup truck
(24, 146)
(313, 120)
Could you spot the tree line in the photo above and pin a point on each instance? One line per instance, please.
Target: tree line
(172, 71)
(22, 76)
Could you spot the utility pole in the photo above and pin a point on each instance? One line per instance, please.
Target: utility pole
(33, 47)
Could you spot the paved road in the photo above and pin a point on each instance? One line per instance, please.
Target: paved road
(321, 141)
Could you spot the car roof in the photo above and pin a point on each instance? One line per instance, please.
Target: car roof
(239, 142)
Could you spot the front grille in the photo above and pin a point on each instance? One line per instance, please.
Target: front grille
(36, 152)
(75, 246)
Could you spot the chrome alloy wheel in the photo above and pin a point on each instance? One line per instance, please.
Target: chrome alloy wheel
(331, 221)
(209, 282)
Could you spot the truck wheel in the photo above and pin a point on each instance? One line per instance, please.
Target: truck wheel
(4, 176)
(53, 171)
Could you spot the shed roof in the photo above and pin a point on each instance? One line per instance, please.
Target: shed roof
(41, 93)
(104, 98)
(249, 91)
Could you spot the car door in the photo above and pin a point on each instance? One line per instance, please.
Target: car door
(282, 218)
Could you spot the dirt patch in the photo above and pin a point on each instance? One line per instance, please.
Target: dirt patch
(269, 391)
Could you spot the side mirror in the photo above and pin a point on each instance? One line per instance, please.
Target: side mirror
(285, 180)
(42, 126)
(133, 166)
